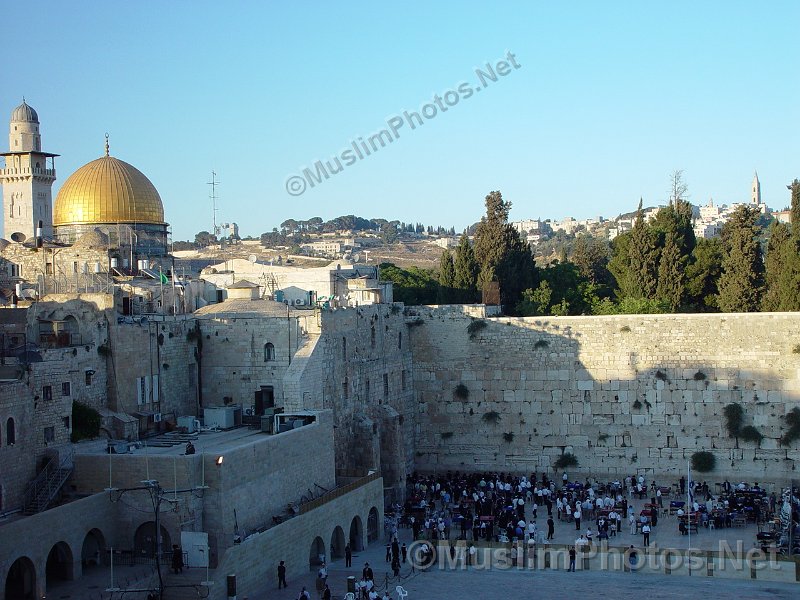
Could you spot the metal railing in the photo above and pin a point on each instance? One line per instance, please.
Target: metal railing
(338, 492)
(48, 483)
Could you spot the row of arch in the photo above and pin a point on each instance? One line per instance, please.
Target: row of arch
(20, 581)
(335, 550)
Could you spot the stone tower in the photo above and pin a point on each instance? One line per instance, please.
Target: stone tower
(755, 193)
(27, 178)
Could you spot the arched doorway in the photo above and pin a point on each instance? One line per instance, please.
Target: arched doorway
(21, 580)
(337, 543)
(93, 550)
(316, 556)
(144, 540)
(59, 564)
(356, 534)
(372, 525)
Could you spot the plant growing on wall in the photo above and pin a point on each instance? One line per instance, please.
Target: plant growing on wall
(637, 404)
(734, 415)
(461, 391)
(792, 419)
(602, 437)
(491, 417)
(104, 350)
(703, 461)
(565, 461)
(508, 436)
(86, 422)
(541, 344)
(446, 435)
(475, 327)
(699, 376)
(748, 433)
(796, 349)
(661, 376)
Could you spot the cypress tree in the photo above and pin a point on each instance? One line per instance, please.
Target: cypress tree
(670, 273)
(775, 266)
(642, 260)
(446, 278)
(741, 282)
(466, 270)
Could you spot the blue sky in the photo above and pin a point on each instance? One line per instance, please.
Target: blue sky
(608, 100)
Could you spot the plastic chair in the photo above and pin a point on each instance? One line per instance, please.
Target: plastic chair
(401, 592)
(349, 596)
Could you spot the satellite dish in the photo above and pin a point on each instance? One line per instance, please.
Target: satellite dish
(253, 258)
(18, 237)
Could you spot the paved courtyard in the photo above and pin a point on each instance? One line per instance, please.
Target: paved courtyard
(461, 583)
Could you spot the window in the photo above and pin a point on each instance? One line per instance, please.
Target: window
(47, 392)
(344, 388)
(386, 385)
(269, 352)
(89, 377)
(11, 434)
(49, 435)
(65, 388)
(65, 420)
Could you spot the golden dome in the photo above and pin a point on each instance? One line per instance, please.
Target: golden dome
(107, 190)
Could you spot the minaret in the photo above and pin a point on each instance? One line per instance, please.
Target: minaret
(27, 178)
(755, 193)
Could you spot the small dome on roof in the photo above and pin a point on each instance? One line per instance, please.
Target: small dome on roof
(24, 113)
(93, 239)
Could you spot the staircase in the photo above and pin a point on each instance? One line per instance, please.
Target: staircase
(46, 488)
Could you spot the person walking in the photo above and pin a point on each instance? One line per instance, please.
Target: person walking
(404, 552)
(282, 575)
(571, 559)
(646, 535)
(348, 556)
(551, 527)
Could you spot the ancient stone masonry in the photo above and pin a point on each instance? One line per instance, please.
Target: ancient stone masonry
(623, 393)
(361, 369)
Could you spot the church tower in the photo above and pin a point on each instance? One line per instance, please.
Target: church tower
(27, 178)
(755, 193)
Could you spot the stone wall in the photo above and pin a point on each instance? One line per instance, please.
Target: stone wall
(638, 393)
(361, 369)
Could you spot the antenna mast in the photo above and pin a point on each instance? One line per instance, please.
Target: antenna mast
(214, 183)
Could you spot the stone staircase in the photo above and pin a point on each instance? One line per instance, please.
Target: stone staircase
(46, 488)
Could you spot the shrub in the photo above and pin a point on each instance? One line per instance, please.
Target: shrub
(461, 391)
(104, 350)
(564, 461)
(415, 322)
(475, 327)
(637, 404)
(625, 329)
(792, 419)
(703, 461)
(734, 415)
(509, 436)
(660, 375)
(796, 349)
(699, 376)
(491, 417)
(86, 422)
(751, 434)
(446, 435)
(602, 437)
(541, 344)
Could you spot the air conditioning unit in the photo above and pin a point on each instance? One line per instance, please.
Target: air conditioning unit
(300, 302)
(157, 417)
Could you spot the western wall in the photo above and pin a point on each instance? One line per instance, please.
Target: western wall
(624, 394)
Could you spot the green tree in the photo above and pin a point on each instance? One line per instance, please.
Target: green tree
(776, 265)
(502, 255)
(447, 275)
(702, 275)
(411, 286)
(590, 256)
(536, 302)
(204, 239)
(634, 262)
(466, 271)
(741, 282)
(670, 273)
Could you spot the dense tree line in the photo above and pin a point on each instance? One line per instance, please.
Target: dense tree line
(657, 266)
